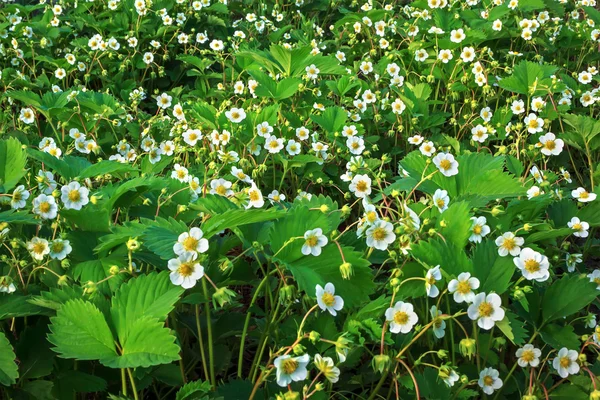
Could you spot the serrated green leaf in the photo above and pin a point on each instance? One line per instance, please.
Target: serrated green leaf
(147, 343)
(456, 225)
(193, 390)
(80, 331)
(150, 295)
(567, 296)
(9, 371)
(12, 163)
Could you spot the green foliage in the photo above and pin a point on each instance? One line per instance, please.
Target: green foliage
(8, 368)
(12, 164)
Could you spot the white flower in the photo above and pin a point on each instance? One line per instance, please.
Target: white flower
(528, 356)
(550, 145)
(457, 36)
(236, 115)
(180, 173)
(217, 45)
(445, 56)
(533, 191)
(273, 144)
(290, 369)
(185, 271)
(401, 317)
(446, 163)
(191, 136)
(221, 187)
(450, 377)
(580, 227)
(19, 197)
(255, 197)
(326, 366)
(45, 206)
(582, 195)
(439, 325)
(361, 186)
(398, 106)
(74, 196)
(565, 362)
(572, 260)
(327, 300)
(59, 249)
(191, 241)
(38, 248)
(164, 101)
(537, 174)
(313, 241)
(264, 129)
(6, 287)
(433, 275)
(312, 72)
(380, 234)
(534, 123)
(489, 380)
(509, 243)
(356, 145)
(275, 196)
(479, 133)
(441, 200)
(427, 149)
(518, 107)
(595, 277)
(27, 115)
(479, 229)
(486, 310)
(241, 175)
(462, 287)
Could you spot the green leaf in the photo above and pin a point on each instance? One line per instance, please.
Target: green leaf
(494, 272)
(456, 227)
(147, 343)
(80, 331)
(584, 131)
(18, 217)
(450, 258)
(150, 295)
(193, 390)
(12, 164)
(9, 371)
(161, 235)
(528, 75)
(560, 336)
(310, 271)
(569, 392)
(231, 219)
(332, 119)
(16, 305)
(567, 296)
(105, 167)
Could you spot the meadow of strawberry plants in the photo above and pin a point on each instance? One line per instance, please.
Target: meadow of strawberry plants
(299, 199)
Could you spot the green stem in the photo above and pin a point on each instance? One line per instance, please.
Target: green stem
(123, 382)
(201, 342)
(246, 323)
(379, 384)
(210, 337)
(135, 394)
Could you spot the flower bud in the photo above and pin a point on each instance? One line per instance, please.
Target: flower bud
(497, 210)
(113, 270)
(467, 347)
(223, 296)
(595, 395)
(381, 362)
(299, 349)
(133, 244)
(314, 336)
(346, 270)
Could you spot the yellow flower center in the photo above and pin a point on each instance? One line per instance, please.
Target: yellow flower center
(577, 227)
(584, 195)
(463, 287)
(312, 241)
(379, 233)
(509, 243)
(328, 299)
(221, 189)
(401, 317)
(445, 164)
(531, 265)
(186, 269)
(44, 207)
(39, 247)
(371, 216)
(289, 366)
(528, 355)
(565, 362)
(254, 195)
(190, 243)
(477, 229)
(488, 380)
(74, 195)
(441, 203)
(57, 247)
(550, 145)
(361, 186)
(485, 309)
